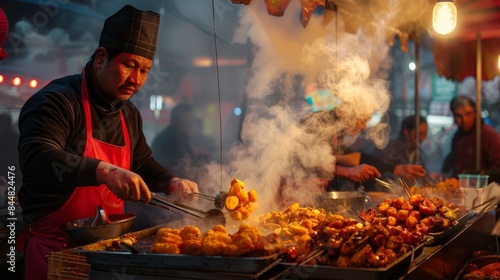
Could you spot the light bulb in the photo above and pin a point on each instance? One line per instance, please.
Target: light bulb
(444, 17)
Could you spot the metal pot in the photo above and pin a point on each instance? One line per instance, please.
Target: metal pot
(82, 231)
(349, 203)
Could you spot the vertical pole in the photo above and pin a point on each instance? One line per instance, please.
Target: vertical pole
(479, 75)
(417, 102)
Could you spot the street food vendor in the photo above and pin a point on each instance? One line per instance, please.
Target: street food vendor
(81, 141)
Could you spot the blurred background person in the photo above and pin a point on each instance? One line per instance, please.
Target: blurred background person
(462, 157)
(402, 148)
(203, 145)
(172, 146)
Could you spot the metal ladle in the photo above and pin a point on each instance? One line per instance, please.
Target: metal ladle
(101, 217)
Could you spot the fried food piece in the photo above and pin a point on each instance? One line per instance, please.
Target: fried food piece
(236, 215)
(244, 213)
(297, 229)
(190, 233)
(252, 195)
(361, 257)
(237, 182)
(382, 207)
(243, 196)
(236, 188)
(191, 247)
(232, 202)
(214, 241)
(398, 202)
(168, 235)
(165, 248)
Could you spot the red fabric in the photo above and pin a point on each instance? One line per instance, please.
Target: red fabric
(45, 235)
(4, 27)
(455, 53)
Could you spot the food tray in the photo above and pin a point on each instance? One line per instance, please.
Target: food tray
(97, 256)
(480, 262)
(400, 265)
(438, 236)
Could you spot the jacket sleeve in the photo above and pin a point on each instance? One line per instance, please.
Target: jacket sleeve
(45, 125)
(491, 149)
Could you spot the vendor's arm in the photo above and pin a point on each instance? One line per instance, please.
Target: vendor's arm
(359, 173)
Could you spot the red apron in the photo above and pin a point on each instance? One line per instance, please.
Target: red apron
(45, 236)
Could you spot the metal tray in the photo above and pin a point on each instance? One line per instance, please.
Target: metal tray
(480, 262)
(400, 265)
(438, 236)
(97, 256)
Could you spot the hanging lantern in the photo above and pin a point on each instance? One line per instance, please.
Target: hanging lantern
(444, 17)
(4, 31)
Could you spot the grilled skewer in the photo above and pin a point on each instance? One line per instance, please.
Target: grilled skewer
(406, 188)
(383, 183)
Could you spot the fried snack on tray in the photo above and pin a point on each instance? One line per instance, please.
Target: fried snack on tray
(239, 202)
(215, 242)
(347, 242)
(448, 189)
(425, 215)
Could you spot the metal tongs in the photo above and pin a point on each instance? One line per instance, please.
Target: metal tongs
(219, 199)
(406, 188)
(383, 183)
(176, 207)
(212, 216)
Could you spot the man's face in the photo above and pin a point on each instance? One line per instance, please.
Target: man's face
(410, 135)
(465, 117)
(123, 75)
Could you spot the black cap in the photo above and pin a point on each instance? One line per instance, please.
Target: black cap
(132, 31)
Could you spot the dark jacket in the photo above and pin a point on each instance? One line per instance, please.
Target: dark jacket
(52, 140)
(463, 151)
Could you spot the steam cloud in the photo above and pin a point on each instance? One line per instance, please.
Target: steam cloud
(274, 146)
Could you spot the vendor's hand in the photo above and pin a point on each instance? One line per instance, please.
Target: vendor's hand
(409, 171)
(183, 188)
(362, 173)
(125, 184)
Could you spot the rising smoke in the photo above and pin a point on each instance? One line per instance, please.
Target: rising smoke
(277, 153)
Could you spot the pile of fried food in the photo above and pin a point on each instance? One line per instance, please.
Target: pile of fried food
(239, 202)
(424, 215)
(483, 266)
(248, 241)
(346, 242)
(449, 189)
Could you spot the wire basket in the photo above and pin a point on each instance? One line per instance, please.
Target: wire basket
(68, 265)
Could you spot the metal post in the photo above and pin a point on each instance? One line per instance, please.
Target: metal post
(417, 102)
(478, 99)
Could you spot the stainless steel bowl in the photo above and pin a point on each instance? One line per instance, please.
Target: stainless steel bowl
(81, 231)
(344, 202)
